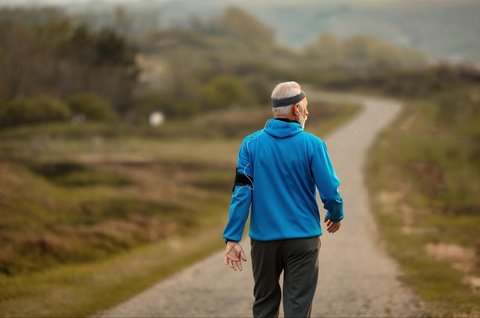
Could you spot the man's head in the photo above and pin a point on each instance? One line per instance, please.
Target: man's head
(296, 108)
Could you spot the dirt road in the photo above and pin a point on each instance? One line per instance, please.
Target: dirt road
(357, 278)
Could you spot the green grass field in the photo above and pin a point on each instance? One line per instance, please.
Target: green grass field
(425, 178)
(92, 214)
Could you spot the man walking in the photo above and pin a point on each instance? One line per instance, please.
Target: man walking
(277, 171)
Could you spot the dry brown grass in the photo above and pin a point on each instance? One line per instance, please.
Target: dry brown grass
(425, 188)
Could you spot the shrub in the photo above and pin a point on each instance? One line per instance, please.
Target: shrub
(31, 110)
(92, 106)
(165, 102)
(225, 91)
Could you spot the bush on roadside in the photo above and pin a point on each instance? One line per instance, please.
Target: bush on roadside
(32, 110)
(225, 91)
(94, 107)
(165, 102)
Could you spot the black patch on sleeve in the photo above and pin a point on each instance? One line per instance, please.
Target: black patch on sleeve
(242, 180)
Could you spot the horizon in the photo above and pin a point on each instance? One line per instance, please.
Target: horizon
(441, 29)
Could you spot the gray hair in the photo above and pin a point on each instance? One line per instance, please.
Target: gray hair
(285, 90)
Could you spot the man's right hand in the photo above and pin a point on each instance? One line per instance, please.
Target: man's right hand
(234, 255)
(332, 227)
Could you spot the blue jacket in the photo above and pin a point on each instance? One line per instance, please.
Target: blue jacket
(277, 171)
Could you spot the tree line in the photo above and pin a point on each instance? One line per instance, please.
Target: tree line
(49, 59)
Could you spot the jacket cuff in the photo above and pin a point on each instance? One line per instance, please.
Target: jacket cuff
(334, 209)
(336, 220)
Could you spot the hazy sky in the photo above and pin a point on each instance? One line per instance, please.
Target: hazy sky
(63, 2)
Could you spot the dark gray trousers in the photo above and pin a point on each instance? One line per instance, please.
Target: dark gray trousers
(298, 259)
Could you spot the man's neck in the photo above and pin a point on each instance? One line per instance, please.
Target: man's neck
(287, 119)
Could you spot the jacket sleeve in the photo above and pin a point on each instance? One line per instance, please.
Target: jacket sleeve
(327, 182)
(241, 196)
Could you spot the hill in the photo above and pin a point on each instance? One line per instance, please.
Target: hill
(441, 29)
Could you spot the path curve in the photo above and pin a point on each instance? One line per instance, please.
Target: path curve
(356, 279)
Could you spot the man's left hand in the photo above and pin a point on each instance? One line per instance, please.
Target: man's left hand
(332, 227)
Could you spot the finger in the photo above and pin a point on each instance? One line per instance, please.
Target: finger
(225, 260)
(230, 260)
(228, 251)
(331, 229)
(239, 264)
(244, 257)
(329, 226)
(334, 228)
(229, 257)
(233, 256)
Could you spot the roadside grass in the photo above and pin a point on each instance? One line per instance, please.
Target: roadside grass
(425, 180)
(80, 290)
(76, 265)
(92, 214)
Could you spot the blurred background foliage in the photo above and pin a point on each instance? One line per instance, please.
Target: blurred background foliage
(84, 177)
(208, 65)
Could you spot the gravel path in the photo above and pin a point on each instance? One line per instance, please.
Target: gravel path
(357, 278)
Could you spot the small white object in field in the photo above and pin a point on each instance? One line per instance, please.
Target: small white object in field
(156, 119)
